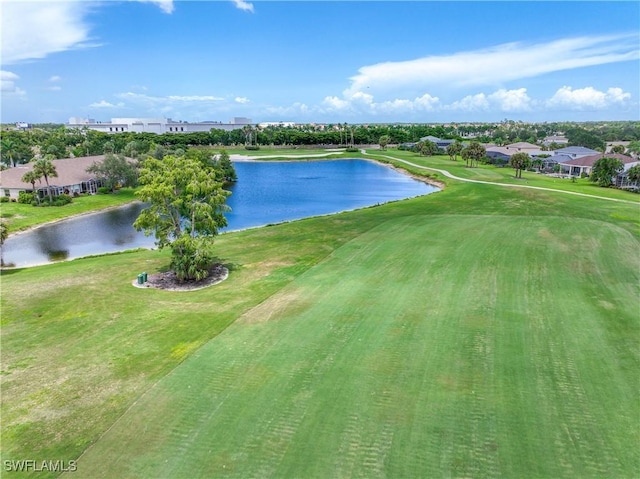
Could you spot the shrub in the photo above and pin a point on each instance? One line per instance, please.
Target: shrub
(59, 200)
(191, 257)
(26, 198)
(103, 190)
(4, 199)
(251, 147)
(352, 150)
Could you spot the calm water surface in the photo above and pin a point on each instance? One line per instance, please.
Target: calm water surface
(266, 193)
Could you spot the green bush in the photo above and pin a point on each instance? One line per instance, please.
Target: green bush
(4, 199)
(103, 190)
(352, 150)
(59, 200)
(251, 147)
(26, 198)
(191, 258)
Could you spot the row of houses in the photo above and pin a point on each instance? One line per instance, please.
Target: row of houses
(72, 178)
(575, 161)
(572, 160)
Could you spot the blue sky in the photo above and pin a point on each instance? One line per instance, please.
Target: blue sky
(329, 61)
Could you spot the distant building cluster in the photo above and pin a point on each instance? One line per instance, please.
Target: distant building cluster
(155, 125)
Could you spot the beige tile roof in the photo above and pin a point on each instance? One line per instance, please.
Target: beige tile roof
(71, 171)
(523, 145)
(591, 159)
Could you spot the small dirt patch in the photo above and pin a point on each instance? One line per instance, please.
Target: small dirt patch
(169, 281)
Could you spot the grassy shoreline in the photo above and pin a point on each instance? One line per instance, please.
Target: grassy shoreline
(21, 218)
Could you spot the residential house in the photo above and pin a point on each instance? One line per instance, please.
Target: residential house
(584, 164)
(438, 142)
(575, 151)
(502, 154)
(72, 178)
(523, 146)
(611, 144)
(557, 139)
(549, 162)
(498, 154)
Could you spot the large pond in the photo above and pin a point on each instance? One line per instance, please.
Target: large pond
(266, 193)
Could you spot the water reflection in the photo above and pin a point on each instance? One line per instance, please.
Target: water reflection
(266, 193)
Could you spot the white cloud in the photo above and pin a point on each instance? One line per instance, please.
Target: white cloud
(477, 102)
(243, 5)
(55, 78)
(363, 103)
(8, 83)
(54, 88)
(427, 102)
(335, 103)
(293, 110)
(495, 65)
(165, 5)
(242, 100)
(37, 29)
(500, 100)
(192, 98)
(587, 98)
(511, 100)
(105, 104)
(199, 105)
(159, 100)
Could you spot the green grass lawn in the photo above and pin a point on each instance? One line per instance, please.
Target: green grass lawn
(506, 175)
(477, 332)
(20, 217)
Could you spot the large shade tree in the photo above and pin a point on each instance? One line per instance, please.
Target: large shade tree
(114, 171)
(186, 205)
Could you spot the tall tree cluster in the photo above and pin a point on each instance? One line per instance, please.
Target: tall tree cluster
(186, 205)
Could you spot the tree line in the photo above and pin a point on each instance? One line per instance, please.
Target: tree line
(18, 147)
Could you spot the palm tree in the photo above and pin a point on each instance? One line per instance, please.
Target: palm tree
(45, 168)
(4, 232)
(32, 177)
(476, 152)
(8, 148)
(454, 149)
(520, 161)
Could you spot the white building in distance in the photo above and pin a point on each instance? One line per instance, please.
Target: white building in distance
(155, 125)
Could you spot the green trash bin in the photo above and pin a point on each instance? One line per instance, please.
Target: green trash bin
(140, 279)
(144, 277)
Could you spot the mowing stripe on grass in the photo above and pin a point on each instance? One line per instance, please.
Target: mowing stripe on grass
(466, 346)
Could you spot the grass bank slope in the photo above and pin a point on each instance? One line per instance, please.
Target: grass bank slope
(476, 332)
